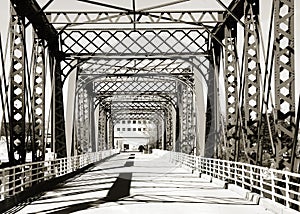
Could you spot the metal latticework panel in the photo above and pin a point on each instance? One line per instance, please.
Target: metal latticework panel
(102, 133)
(122, 18)
(17, 150)
(58, 117)
(147, 43)
(252, 79)
(83, 121)
(188, 131)
(38, 101)
(231, 90)
(284, 76)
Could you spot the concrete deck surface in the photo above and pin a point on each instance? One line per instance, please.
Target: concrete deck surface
(139, 184)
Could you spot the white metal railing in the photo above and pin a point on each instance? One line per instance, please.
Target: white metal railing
(17, 178)
(278, 185)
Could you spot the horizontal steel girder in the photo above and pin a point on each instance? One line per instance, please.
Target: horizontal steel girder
(83, 18)
(134, 43)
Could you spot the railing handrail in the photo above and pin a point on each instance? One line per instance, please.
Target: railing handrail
(278, 185)
(15, 179)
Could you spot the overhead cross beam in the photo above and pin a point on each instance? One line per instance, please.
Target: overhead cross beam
(44, 29)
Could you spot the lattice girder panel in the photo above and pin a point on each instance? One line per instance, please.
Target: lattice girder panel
(134, 43)
(169, 131)
(188, 129)
(137, 111)
(133, 105)
(134, 86)
(17, 151)
(231, 91)
(102, 130)
(284, 77)
(83, 121)
(38, 101)
(112, 18)
(181, 67)
(138, 65)
(117, 118)
(252, 79)
(58, 129)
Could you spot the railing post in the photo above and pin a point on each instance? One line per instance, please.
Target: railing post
(197, 164)
(261, 181)
(287, 191)
(235, 174)
(218, 169)
(2, 184)
(273, 185)
(223, 170)
(243, 176)
(22, 178)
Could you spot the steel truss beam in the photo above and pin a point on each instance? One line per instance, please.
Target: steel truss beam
(71, 19)
(20, 89)
(284, 78)
(133, 116)
(231, 91)
(133, 66)
(134, 43)
(252, 78)
(83, 121)
(102, 130)
(181, 67)
(58, 120)
(38, 101)
(17, 148)
(185, 125)
(132, 105)
(134, 85)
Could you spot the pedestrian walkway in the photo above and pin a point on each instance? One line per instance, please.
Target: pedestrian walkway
(138, 183)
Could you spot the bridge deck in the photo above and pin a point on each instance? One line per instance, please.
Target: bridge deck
(139, 183)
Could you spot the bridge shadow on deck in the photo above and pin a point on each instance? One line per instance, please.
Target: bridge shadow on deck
(156, 186)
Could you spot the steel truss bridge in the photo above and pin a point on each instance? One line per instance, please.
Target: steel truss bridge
(84, 72)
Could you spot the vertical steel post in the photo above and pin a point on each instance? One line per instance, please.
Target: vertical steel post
(17, 149)
(179, 118)
(38, 101)
(231, 89)
(211, 113)
(284, 77)
(91, 116)
(58, 117)
(252, 79)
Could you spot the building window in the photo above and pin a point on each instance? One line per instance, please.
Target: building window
(123, 129)
(129, 121)
(118, 129)
(129, 129)
(134, 129)
(144, 121)
(123, 121)
(144, 129)
(139, 122)
(139, 129)
(134, 121)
